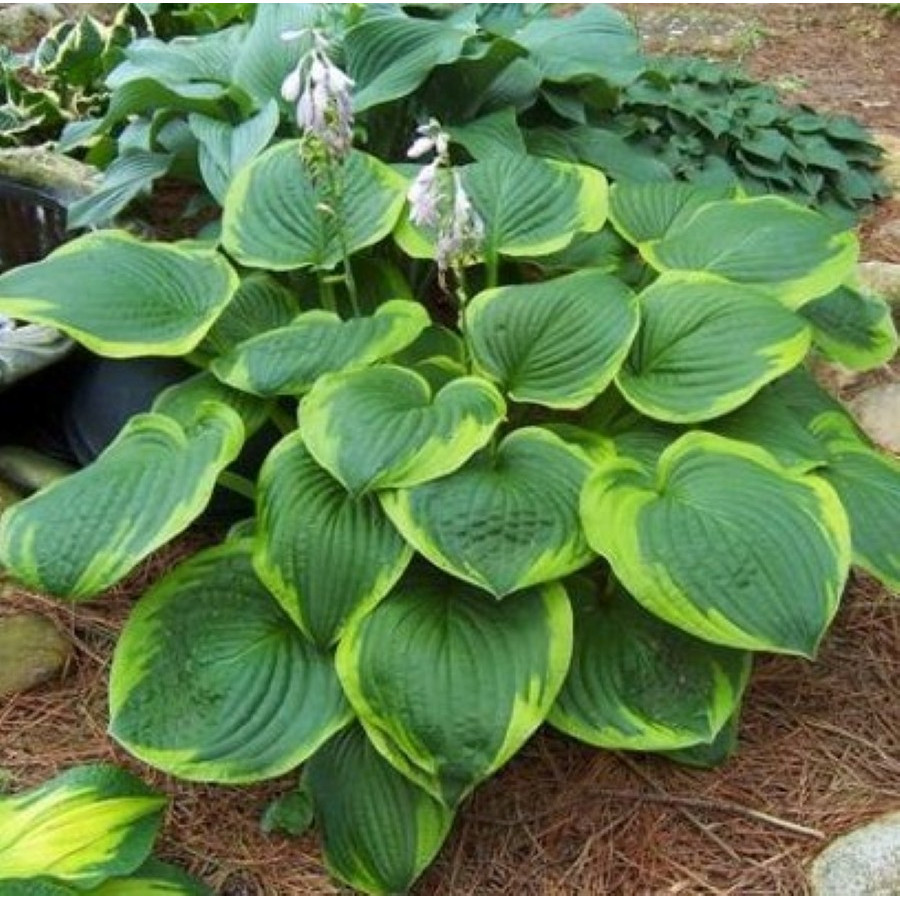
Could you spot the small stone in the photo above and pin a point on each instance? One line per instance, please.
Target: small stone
(890, 162)
(32, 651)
(877, 410)
(883, 278)
(863, 863)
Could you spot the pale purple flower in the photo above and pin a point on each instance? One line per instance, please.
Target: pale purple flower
(425, 197)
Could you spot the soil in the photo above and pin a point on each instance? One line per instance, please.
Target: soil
(820, 741)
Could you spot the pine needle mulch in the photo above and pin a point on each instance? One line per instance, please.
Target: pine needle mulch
(819, 754)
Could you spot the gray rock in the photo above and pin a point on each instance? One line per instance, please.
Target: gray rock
(877, 410)
(864, 862)
(883, 278)
(31, 652)
(23, 24)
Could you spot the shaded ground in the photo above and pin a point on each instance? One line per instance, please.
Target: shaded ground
(820, 742)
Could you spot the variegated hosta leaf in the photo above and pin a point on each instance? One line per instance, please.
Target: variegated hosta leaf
(724, 543)
(529, 206)
(278, 216)
(793, 253)
(379, 830)
(288, 360)
(448, 683)
(637, 683)
(82, 827)
(382, 427)
(322, 553)
(868, 484)
(507, 520)
(558, 343)
(123, 297)
(211, 681)
(706, 346)
(153, 879)
(854, 329)
(83, 533)
(712, 753)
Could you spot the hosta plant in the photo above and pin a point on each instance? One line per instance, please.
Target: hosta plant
(549, 452)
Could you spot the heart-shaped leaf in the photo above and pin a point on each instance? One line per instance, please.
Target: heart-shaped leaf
(637, 683)
(277, 215)
(705, 346)
(558, 343)
(145, 488)
(723, 543)
(288, 360)
(322, 553)
(448, 683)
(211, 680)
(379, 830)
(123, 297)
(382, 428)
(506, 520)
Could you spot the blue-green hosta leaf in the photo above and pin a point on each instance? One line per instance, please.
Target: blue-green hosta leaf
(505, 521)
(644, 212)
(211, 680)
(389, 54)
(379, 830)
(558, 343)
(122, 297)
(153, 879)
(529, 206)
(322, 553)
(497, 132)
(434, 343)
(290, 359)
(705, 346)
(637, 683)
(448, 683)
(767, 242)
(82, 827)
(382, 427)
(724, 543)
(276, 216)
(83, 533)
(868, 484)
(854, 329)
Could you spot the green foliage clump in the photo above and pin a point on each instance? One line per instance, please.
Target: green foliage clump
(545, 451)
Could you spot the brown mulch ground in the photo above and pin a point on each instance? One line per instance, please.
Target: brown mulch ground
(820, 742)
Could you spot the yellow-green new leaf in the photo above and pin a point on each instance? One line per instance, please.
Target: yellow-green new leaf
(724, 543)
(379, 830)
(448, 683)
(637, 683)
(153, 879)
(88, 824)
(211, 681)
(558, 343)
(705, 346)
(322, 553)
(122, 297)
(290, 359)
(278, 216)
(382, 427)
(84, 532)
(505, 521)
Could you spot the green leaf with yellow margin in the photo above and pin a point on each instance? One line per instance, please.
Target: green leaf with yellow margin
(723, 543)
(153, 879)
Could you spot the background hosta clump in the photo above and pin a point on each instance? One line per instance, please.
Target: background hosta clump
(539, 449)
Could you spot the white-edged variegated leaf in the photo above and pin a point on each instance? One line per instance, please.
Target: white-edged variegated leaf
(123, 297)
(84, 826)
(379, 830)
(212, 681)
(84, 532)
(506, 520)
(705, 346)
(448, 683)
(383, 427)
(289, 360)
(324, 554)
(529, 206)
(724, 543)
(767, 242)
(637, 683)
(557, 343)
(278, 216)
